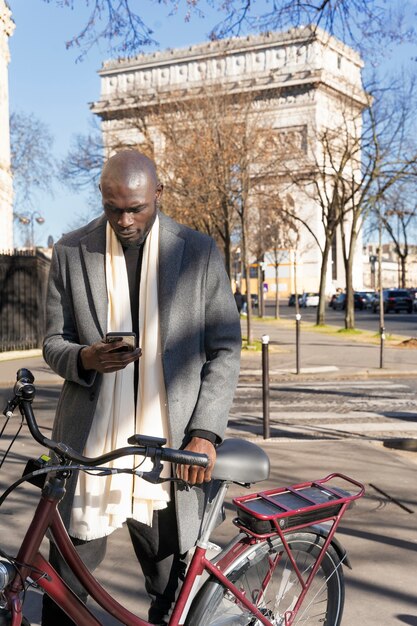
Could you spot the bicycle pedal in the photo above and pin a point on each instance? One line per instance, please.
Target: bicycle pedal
(36, 464)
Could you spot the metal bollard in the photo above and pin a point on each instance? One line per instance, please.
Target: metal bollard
(265, 385)
(297, 342)
(381, 349)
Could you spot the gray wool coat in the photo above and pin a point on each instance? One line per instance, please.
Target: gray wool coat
(200, 337)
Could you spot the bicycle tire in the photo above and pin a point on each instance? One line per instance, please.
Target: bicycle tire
(323, 605)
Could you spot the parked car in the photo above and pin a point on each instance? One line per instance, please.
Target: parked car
(309, 299)
(394, 300)
(413, 294)
(363, 299)
(291, 300)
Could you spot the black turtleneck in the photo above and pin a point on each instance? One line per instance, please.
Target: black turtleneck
(133, 258)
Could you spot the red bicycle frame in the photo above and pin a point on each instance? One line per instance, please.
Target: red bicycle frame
(33, 565)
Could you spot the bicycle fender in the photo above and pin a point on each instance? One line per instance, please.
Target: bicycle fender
(323, 531)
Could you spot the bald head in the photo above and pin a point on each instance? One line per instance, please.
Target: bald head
(128, 168)
(130, 192)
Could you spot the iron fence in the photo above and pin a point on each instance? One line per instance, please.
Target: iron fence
(23, 280)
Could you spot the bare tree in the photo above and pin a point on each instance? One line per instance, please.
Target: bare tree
(32, 162)
(321, 184)
(209, 148)
(274, 231)
(388, 158)
(362, 23)
(81, 168)
(398, 215)
(198, 162)
(352, 170)
(310, 176)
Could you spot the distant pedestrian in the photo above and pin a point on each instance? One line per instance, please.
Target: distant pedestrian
(239, 299)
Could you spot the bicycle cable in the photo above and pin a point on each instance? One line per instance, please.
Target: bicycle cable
(97, 471)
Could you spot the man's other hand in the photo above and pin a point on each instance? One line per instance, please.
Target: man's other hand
(192, 473)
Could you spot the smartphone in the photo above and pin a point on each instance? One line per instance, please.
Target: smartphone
(129, 341)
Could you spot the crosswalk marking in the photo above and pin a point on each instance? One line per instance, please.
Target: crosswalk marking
(311, 415)
(373, 408)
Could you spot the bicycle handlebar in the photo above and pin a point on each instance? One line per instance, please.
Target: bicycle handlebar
(24, 393)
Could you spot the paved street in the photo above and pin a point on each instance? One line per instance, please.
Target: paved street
(395, 323)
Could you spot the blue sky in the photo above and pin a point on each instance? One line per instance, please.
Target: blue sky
(46, 80)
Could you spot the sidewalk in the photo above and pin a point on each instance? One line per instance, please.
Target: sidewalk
(325, 354)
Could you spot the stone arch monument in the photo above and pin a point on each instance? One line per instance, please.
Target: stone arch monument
(304, 79)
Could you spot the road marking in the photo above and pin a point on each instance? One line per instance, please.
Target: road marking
(337, 384)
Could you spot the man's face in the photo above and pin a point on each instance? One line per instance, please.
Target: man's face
(131, 211)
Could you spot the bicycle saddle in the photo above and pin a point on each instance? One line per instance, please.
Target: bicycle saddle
(240, 461)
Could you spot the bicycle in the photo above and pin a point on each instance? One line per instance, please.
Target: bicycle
(284, 567)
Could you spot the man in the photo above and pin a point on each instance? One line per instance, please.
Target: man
(134, 268)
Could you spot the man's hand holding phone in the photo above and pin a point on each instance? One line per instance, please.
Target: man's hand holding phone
(122, 342)
(111, 354)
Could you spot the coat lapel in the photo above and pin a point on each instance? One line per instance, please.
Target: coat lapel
(93, 247)
(171, 249)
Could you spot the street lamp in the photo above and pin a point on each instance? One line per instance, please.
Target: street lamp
(29, 218)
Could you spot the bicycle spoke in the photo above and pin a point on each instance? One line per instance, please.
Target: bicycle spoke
(320, 590)
(267, 578)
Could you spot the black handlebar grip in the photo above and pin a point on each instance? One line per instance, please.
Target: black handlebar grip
(24, 387)
(24, 375)
(184, 457)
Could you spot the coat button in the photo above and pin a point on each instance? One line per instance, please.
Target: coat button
(92, 395)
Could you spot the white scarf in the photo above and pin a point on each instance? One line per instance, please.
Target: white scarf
(102, 504)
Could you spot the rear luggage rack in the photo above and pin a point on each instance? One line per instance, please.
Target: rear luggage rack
(265, 513)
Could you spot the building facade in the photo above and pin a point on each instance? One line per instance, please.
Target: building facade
(6, 186)
(304, 80)
(390, 266)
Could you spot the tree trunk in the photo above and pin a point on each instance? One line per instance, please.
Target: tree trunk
(276, 290)
(260, 291)
(321, 309)
(249, 332)
(228, 251)
(403, 261)
(350, 301)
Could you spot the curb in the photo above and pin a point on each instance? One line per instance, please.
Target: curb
(324, 369)
(20, 354)
(332, 372)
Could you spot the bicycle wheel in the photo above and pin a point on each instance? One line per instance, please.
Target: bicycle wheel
(277, 593)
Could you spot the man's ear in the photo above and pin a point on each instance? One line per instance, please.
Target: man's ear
(159, 190)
